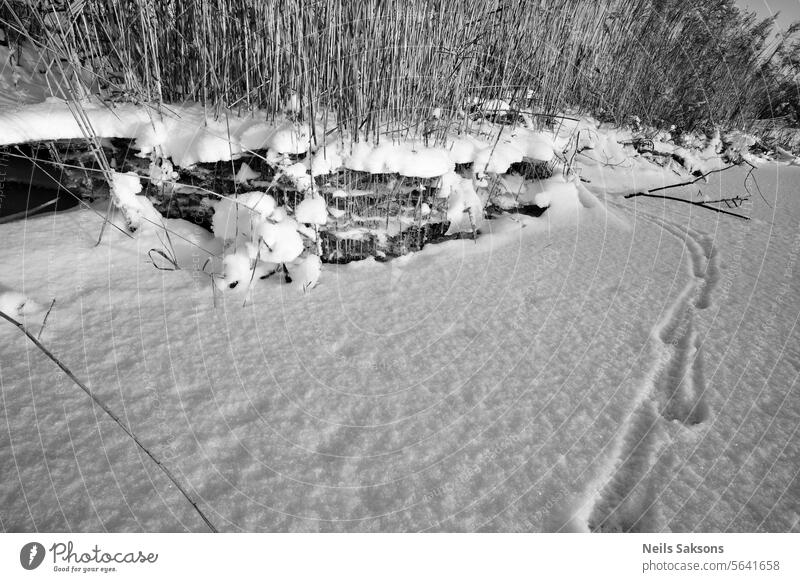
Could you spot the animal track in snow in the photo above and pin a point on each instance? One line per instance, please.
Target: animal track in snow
(704, 259)
(675, 392)
(628, 501)
(681, 384)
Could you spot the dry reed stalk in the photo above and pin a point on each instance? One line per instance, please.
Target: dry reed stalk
(365, 66)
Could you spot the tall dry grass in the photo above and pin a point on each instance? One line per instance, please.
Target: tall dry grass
(368, 65)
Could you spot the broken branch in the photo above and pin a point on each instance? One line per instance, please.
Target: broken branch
(692, 202)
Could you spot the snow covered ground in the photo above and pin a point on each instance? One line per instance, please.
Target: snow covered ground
(617, 364)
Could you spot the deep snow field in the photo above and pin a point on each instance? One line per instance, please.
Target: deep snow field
(613, 365)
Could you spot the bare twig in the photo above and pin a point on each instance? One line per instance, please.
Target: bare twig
(735, 200)
(111, 414)
(46, 315)
(676, 199)
(701, 177)
(758, 188)
(703, 204)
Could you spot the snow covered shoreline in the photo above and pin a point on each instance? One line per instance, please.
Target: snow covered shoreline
(187, 134)
(422, 188)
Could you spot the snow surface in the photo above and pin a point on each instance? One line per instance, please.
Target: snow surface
(312, 210)
(613, 364)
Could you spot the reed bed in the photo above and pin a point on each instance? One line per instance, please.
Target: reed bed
(368, 65)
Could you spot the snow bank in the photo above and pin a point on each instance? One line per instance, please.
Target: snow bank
(406, 158)
(327, 160)
(557, 194)
(184, 133)
(237, 216)
(286, 138)
(312, 211)
(53, 120)
(187, 135)
(494, 154)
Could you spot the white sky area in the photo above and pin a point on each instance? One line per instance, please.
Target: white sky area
(789, 9)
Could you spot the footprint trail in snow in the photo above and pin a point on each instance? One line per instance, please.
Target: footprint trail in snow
(673, 393)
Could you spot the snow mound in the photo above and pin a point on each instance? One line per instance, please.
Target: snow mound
(559, 195)
(407, 159)
(522, 144)
(327, 160)
(498, 159)
(238, 216)
(298, 175)
(306, 273)
(740, 141)
(464, 206)
(238, 270)
(312, 211)
(17, 305)
(464, 149)
(182, 132)
(282, 241)
(535, 146)
(290, 139)
(136, 209)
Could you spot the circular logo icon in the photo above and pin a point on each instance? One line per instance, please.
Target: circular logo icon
(31, 555)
